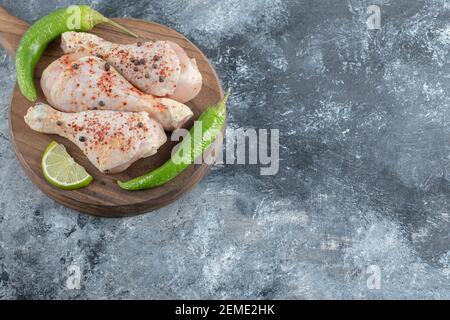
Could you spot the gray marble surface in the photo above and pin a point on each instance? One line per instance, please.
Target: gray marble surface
(363, 184)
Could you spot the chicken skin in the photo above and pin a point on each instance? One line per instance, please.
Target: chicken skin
(75, 83)
(160, 68)
(111, 140)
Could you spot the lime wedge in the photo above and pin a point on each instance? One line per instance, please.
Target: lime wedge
(61, 170)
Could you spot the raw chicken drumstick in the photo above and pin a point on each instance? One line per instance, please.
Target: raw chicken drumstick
(76, 83)
(160, 68)
(111, 140)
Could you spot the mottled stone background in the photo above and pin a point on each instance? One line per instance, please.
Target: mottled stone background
(364, 173)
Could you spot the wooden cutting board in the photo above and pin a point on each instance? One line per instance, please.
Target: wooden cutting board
(103, 197)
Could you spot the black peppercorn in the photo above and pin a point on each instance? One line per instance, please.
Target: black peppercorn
(107, 66)
(142, 61)
(136, 62)
(140, 124)
(147, 75)
(75, 66)
(135, 68)
(139, 44)
(154, 66)
(101, 103)
(59, 123)
(82, 139)
(161, 79)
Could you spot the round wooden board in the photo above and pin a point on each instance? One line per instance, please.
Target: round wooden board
(103, 197)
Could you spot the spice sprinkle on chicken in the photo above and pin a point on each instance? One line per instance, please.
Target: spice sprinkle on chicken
(76, 83)
(111, 140)
(160, 68)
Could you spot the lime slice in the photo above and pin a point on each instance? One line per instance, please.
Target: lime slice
(61, 170)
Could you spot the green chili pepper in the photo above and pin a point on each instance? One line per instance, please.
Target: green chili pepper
(45, 30)
(212, 121)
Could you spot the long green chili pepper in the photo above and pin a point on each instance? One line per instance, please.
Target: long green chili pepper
(211, 120)
(45, 30)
